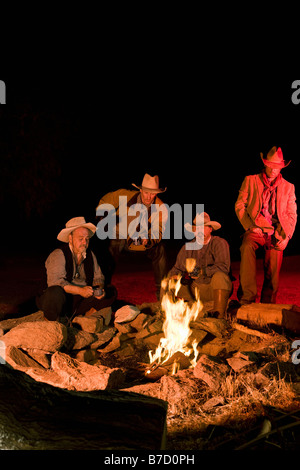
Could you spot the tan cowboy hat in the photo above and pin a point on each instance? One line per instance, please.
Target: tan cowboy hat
(204, 220)
(72, 225)
(151, 184)
(275, 159)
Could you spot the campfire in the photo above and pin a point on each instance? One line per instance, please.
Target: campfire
(175, 350)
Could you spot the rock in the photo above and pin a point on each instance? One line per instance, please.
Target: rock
(104, 314)
(215, 347)
(18, 359)
(103, 338)
(114, 344)
(48, 336)
(6, 325)
(79, 339)
(151, 341)
(91, 324)
(41, 357)
(87, 355)
(126, 313)
(80, 376)
(215, 326)
(238, 362)
(124, 327)
(211, 370)
(213, 402)
(179, 391)
(139, 322)
(197, 335)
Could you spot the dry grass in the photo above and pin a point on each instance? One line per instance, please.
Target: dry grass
(242, 405)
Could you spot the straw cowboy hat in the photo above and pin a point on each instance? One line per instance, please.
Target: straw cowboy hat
(274, 159)
(72, 225)
(202, 219)
(151, 184)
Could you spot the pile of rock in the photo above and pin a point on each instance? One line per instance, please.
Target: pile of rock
(71, 356)
(67, 356)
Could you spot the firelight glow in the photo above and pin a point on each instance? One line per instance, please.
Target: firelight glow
(178, 315)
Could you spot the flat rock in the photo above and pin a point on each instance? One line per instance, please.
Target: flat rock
(18, 359)
(75, 375)
(215, 326)
(46, 336)
(101, 339)
(6, 325)
(91, 324)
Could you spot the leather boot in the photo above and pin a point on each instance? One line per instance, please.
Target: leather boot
(221, 297)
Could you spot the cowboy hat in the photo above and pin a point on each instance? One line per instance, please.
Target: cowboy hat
(72, 225)
(274, 159)
(151, 184)
(202, 219)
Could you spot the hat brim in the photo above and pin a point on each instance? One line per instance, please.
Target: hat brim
(150, 190)
(277, 166)
(63, 235)
(213, 224)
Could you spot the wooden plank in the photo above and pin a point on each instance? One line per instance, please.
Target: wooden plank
(38, 416)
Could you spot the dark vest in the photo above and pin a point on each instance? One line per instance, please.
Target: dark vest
(88, 264)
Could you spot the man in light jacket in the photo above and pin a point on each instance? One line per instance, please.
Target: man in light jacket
(266, 207)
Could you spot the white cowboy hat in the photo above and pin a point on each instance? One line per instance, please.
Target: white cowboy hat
(150, 184)
(202, 219)
(275, 159)
(72, 225)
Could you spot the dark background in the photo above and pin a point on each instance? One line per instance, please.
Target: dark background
(66, 140)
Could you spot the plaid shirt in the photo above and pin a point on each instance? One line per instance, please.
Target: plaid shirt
(213, 257)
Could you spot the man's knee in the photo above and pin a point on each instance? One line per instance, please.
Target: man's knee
(52, 302)
(221, 280)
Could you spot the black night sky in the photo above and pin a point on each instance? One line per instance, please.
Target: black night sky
(67, 140)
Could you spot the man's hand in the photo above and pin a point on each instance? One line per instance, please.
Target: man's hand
(257, 230)
(282, 244)
(86, 292)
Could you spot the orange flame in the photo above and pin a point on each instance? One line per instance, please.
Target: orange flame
(178, 315)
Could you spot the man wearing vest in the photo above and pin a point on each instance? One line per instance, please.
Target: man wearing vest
(72, 275)
(266, 207)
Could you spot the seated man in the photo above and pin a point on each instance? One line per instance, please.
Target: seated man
(208, 266)
(72, 275)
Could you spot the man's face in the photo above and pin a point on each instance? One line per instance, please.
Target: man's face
(147, 197)
(202, 233)
(272, 173)
(79, 240)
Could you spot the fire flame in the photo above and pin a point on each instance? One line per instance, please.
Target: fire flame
(178, 315)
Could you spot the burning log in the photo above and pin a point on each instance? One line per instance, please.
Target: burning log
(37, 416)
(177, 361)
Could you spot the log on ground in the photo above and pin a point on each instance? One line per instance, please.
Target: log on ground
(287, 316)
(38, 416)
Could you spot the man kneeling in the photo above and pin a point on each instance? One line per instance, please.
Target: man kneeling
(208, 267)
